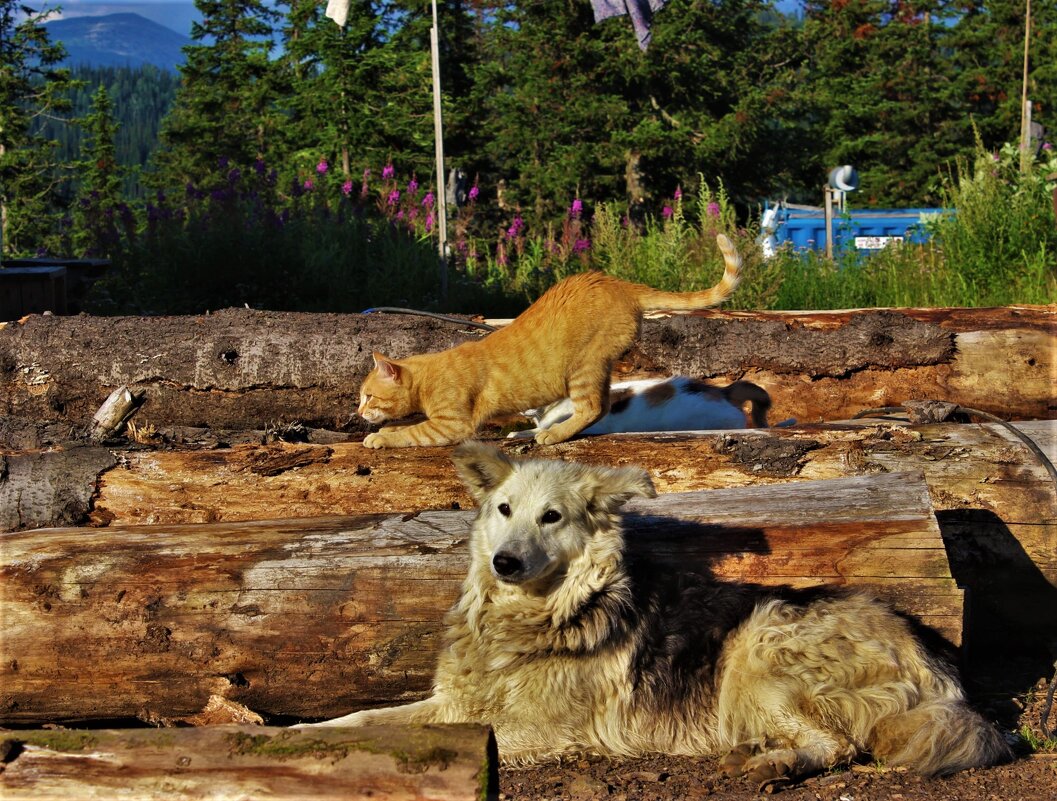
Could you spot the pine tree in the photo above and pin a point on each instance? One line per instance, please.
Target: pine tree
(31, 86)
(987, 52)
(879, 81)
(227, 106)
(98, 206)
(552, 90)
(337, 75)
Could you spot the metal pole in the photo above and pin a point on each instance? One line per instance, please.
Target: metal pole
(438, 136)
(1025, 106)
(827, 196)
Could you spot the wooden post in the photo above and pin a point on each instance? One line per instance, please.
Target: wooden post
(1025, 105)
(438, 137)
(443, 763)
(827, 196)
(315, 618)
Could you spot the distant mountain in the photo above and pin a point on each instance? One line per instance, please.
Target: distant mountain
(117, 40)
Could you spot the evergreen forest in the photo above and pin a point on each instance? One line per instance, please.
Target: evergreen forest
(303, 175)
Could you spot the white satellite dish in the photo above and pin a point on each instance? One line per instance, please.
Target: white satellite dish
(844, 178)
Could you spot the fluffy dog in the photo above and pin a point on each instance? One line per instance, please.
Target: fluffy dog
(564, 645)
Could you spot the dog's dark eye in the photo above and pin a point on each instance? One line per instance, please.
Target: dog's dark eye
(504, 509)
(551, 516)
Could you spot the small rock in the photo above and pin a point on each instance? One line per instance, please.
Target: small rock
(587, 787)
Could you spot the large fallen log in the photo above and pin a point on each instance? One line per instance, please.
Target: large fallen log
(444, 763)
(244, 369)
(316, 617)
(996, 504)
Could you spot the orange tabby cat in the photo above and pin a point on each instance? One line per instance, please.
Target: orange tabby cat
(563, 345)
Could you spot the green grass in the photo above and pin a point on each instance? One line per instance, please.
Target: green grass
(246, 242)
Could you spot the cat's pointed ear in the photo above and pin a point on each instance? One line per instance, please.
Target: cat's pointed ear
(387, 368)
(612, 487)
(481, 467)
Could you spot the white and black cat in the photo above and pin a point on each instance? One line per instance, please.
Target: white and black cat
(665, 404)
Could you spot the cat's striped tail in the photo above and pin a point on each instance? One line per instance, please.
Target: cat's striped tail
(656, 300)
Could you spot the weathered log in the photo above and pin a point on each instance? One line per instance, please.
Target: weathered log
(996, 504)
(244, 369)
(445, 763)
(321, 616)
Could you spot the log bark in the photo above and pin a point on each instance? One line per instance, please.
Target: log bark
(996, 505)
(245, 369)
(317, 617)
(445, 763)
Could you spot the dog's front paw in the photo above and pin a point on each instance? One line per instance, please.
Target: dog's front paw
(352, 719)
(771, 767)
(733, 764)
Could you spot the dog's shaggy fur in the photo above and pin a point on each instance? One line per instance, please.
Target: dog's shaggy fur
(563, 645)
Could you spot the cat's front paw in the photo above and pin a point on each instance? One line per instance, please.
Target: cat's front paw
(378, 440)
(550, 437)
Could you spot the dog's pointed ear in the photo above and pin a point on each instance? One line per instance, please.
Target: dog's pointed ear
(614, 486)
(481, 467)
(386, 367)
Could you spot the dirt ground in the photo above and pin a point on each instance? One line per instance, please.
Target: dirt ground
(1031, 777)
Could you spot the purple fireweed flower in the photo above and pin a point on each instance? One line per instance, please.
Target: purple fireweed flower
(429, 221)
(474, 192)
(428, 200)
(996, 157)
(366, 174)
(412, 186)
(1047, 145)
(388, 172)
(713, 210)
(394, 197)
(580, 245)
(515, 228)
(322, 167)
(667, 212)
(576, 209)
(678, 193)
(346, 188)
(400, 214)
(309, 186)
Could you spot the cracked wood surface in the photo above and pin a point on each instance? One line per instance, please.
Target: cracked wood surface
(394, 763)
(317, 617)
(996, 505)
(244, 369)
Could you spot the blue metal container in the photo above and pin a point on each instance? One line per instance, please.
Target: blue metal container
(860, 229)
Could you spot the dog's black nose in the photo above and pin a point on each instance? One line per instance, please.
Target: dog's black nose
(506, 564)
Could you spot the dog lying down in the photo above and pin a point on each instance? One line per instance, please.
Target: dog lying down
(563, 646)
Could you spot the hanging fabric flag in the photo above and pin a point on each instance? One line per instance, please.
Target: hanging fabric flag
(338, 10)
(640, 11)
